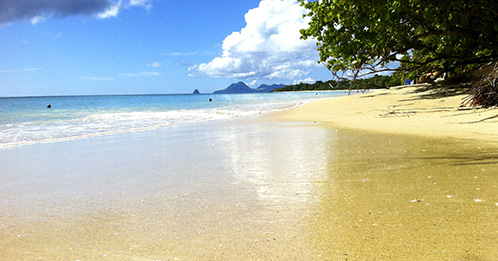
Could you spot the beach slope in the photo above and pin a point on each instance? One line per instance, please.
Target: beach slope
(421, 110)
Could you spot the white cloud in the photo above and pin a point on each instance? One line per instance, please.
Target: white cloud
(142, 3)
(37, 19)
(269, 46)
(154, 64)
(307, 80)
(20, 70)
(99, 79)
(112, 11)
(31, 69)
(140, 74)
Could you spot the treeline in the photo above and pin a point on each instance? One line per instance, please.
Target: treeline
(375, 82)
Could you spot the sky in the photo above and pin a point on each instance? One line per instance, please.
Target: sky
(95, 47)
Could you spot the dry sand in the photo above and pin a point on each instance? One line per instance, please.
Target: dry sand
(415, 110)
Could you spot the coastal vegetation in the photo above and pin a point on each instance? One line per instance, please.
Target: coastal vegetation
(411, 38)
(375, 82)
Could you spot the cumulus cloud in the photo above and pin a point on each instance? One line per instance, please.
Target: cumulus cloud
(269, 46)
(37, 11)
(112, 11)
(307, 80)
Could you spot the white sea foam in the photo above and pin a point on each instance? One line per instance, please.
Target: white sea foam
(79, 117)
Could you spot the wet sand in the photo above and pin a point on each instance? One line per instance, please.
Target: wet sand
(249, 189)
(209, 191)
(391, 197)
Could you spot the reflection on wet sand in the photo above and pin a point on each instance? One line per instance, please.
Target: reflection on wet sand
(283, 171)
(403, 198)
(245, 190)
(232, 191)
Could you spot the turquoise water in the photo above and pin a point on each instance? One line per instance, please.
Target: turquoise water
(27, 120)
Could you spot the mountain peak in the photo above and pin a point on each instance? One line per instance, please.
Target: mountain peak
(241, 87)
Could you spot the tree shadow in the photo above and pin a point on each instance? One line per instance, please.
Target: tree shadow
(374, 95)
(442, 90)
(432, 91)
(466, 159)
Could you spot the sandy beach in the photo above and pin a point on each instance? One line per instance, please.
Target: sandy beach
(401, 174)
(413, 168)
(420, 110)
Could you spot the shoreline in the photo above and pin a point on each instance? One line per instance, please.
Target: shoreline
(71, 118)
(249, 188)
(419, 110)
(208, 190)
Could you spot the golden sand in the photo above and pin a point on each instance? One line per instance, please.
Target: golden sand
(428, 194)
(403, 198)
(415, 110)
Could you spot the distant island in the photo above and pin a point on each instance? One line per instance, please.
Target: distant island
(241, 87)
(375, 82)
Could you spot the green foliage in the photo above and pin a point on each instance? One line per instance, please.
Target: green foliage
(375, 82)
(444, 36)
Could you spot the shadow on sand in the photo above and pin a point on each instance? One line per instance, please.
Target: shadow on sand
(442, 90)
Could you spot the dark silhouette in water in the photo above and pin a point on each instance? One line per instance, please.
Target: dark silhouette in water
(49, 106)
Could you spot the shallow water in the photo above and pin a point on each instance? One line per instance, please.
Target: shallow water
(249, 189)
(199, 191)
(26, 120)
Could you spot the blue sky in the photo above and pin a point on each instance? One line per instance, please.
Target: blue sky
(85, 47)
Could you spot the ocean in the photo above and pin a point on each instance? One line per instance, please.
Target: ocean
(27, 120)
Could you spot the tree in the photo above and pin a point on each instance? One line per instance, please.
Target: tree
(424, 35)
